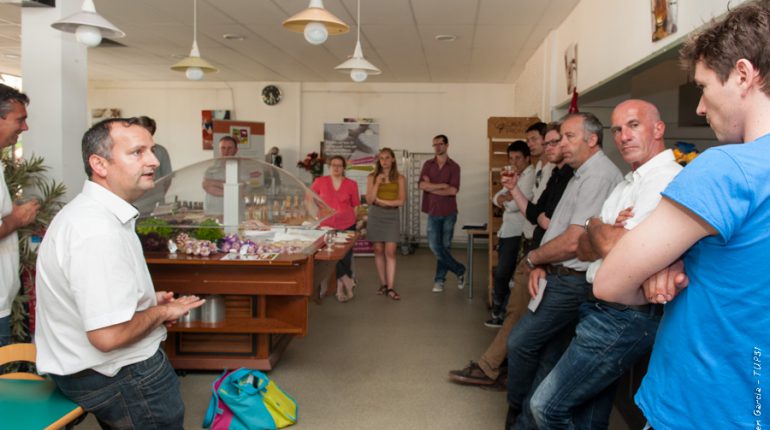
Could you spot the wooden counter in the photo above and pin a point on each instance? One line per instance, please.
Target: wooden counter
(266, 305)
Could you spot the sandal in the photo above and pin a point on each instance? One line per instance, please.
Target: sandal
(383, 289)
(392, 294)
(341, 296)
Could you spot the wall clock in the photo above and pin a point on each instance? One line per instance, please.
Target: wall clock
(271, 95)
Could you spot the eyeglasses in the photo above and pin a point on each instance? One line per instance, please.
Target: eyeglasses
(553, 142)
(439, 144)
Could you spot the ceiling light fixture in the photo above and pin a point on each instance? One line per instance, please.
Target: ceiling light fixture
(89, 27)
(357, 65)
(316, 23)
(194, 66)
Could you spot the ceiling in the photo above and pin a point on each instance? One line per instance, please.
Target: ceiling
(495, 38)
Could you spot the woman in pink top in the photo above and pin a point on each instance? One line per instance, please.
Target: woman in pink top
(341, 194)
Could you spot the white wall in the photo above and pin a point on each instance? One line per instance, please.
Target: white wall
(409, 116)
(612, 36)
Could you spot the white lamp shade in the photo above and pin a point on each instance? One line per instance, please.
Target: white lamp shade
(358, 62)
(88, 16)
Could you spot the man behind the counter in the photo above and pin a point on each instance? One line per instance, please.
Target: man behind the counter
(99, 320)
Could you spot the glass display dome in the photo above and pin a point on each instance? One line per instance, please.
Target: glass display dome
(230, 196)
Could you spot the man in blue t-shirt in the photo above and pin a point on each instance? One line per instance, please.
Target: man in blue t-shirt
(706, 365)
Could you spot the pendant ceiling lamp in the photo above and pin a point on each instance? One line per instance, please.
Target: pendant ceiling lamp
(316, 23)
(89, 27)
(194, 66)
(357, 65)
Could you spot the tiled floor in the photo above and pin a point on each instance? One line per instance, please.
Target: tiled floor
(373, 363)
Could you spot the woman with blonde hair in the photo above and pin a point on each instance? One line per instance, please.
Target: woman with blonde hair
(385, 193)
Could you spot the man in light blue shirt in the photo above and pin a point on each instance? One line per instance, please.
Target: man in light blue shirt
(706, 369)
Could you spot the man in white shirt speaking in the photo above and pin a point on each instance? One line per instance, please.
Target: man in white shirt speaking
(99, 320)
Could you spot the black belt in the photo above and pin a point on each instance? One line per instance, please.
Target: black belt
(650, 308)
(558, 269)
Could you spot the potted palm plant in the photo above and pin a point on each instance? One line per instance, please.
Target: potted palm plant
(26, 178)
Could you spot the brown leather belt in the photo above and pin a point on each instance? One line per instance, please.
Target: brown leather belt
(650, 308)
(558, 269)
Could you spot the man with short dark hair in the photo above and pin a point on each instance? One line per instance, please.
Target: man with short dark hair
(543, 169)
(440, 183)
(99, 320)
(214, 177)
(509, 234)
(13, 121)
(706, 369)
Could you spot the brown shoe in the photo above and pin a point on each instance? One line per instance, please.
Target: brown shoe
(470, 375)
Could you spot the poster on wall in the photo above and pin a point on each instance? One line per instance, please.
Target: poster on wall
(357, 142)
(249, 135)
(207, 125)
(571, 67)
(663, 18)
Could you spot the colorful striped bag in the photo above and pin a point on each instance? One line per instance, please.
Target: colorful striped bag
(246, 399)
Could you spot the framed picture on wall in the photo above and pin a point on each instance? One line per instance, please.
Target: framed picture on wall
(663, 18)
(207, 125)
(571, 66)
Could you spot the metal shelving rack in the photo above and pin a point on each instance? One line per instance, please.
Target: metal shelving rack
(411, 163)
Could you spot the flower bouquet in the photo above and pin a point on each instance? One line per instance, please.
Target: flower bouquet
(312, 163)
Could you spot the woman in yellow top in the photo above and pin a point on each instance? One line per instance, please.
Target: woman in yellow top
(385, 193)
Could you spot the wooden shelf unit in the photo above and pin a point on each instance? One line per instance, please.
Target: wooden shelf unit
(266, 305)
(501, 131)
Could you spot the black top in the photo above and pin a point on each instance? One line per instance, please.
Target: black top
(547, 202)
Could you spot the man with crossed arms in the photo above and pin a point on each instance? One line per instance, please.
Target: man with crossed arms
(610, 337)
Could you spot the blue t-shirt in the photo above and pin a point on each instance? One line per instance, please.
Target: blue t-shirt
(708, 364)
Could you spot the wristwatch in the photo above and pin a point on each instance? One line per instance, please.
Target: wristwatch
(529, 262)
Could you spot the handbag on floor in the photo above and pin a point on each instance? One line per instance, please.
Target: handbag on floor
(247, 399)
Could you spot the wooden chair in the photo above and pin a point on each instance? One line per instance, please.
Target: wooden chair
(19, 352)
(73, 415)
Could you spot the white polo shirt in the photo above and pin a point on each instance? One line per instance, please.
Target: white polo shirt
(513, 219)
(9, 256)
(91, 274)
(641, 189)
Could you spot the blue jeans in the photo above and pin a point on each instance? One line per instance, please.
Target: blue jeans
(559, 309)
(5, 330)
(143, 395)
(578, 392)
(441, 229)
(507, 253)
